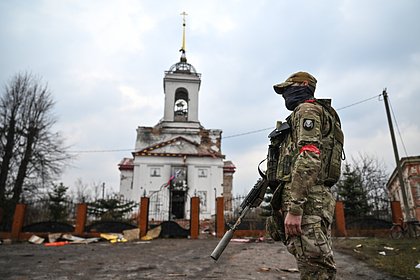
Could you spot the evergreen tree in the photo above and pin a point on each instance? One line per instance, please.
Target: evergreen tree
(112, 208)
(350, 189)
(58, 203)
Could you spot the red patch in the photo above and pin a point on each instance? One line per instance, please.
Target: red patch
(310, 148)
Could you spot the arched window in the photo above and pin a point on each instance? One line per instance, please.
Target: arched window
(181, 105)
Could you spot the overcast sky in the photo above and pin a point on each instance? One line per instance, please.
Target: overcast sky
(104, 62)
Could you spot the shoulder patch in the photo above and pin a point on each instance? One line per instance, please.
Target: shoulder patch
(308, 124)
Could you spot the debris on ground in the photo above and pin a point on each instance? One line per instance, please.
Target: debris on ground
(53, 237)
(79, 240)
(142, 242)
(240, 240)
(152, 234)
(34, 239)
(292, 270)
(382, 253)
(6, 241)
(264, 269)
(113, 237)
(56, 244)
(131, 234)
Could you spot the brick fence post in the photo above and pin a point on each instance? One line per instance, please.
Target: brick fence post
(195, 217)
(220, 217)
(81, 215)
(18, 220)
(340, 220)
(144, 216)
(396, 210)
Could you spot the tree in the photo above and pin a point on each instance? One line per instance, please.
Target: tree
(31, 154)
(82, 193)
(374, 179)
(58, 203)
(350, 190)
(362, 187)
(111, 208)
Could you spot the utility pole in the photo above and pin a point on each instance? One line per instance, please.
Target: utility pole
(397, 160)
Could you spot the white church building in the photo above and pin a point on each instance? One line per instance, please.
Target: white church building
(178, 158)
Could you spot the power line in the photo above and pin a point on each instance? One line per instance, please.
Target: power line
(100, 151)
(226, 137)
(246, 133)
(341, 108)
(359, 102)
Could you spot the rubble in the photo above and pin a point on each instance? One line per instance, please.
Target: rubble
(34, 239)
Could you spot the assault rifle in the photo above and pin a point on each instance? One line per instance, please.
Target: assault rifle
(252, 200)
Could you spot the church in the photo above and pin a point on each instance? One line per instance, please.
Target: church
(178, 158)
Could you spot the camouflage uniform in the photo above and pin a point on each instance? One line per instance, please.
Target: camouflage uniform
(303, 192)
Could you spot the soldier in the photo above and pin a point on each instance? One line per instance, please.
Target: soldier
(306, 165)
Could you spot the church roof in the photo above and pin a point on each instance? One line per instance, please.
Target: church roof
(126, 164)
(178, 147)
(183, 67)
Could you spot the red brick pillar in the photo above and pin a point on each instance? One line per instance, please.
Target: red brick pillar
(144, 216)
(220, 217)
(81, 215)
(195, 217)
(397, 214)
(18, 220)
(340, 220)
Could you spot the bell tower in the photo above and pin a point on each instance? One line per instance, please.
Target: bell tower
(181, 85)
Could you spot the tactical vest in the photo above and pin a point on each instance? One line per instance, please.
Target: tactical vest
(282, 152)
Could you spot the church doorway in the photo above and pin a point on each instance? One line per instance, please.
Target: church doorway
(178, 199)
(178, 193)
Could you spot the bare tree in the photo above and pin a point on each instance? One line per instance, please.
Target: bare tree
(374, 179)
(83, 193)
(31, 154)
(363, 188)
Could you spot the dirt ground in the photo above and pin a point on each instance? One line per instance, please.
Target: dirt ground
(163, 259)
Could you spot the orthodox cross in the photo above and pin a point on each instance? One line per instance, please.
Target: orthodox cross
(183, 14)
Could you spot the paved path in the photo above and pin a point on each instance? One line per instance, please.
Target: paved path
(162, 259)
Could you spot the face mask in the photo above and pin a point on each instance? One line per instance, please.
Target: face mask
(294, 95)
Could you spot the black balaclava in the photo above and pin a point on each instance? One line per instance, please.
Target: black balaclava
(294, 95)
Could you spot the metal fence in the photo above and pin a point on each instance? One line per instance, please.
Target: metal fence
(253, 220)
(40, 211)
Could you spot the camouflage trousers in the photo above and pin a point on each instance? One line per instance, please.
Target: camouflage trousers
(313, 249)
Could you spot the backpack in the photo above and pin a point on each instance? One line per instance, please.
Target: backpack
(332, 146)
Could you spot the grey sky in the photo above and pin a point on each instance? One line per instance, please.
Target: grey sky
(104, 62)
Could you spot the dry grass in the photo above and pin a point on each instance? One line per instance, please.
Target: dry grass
(397, 257)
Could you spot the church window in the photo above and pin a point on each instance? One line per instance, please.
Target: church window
(181, 105)
(154, 172)
(155, 203)
(202, 172)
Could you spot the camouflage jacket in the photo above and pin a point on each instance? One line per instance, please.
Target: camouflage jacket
(300, 161)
